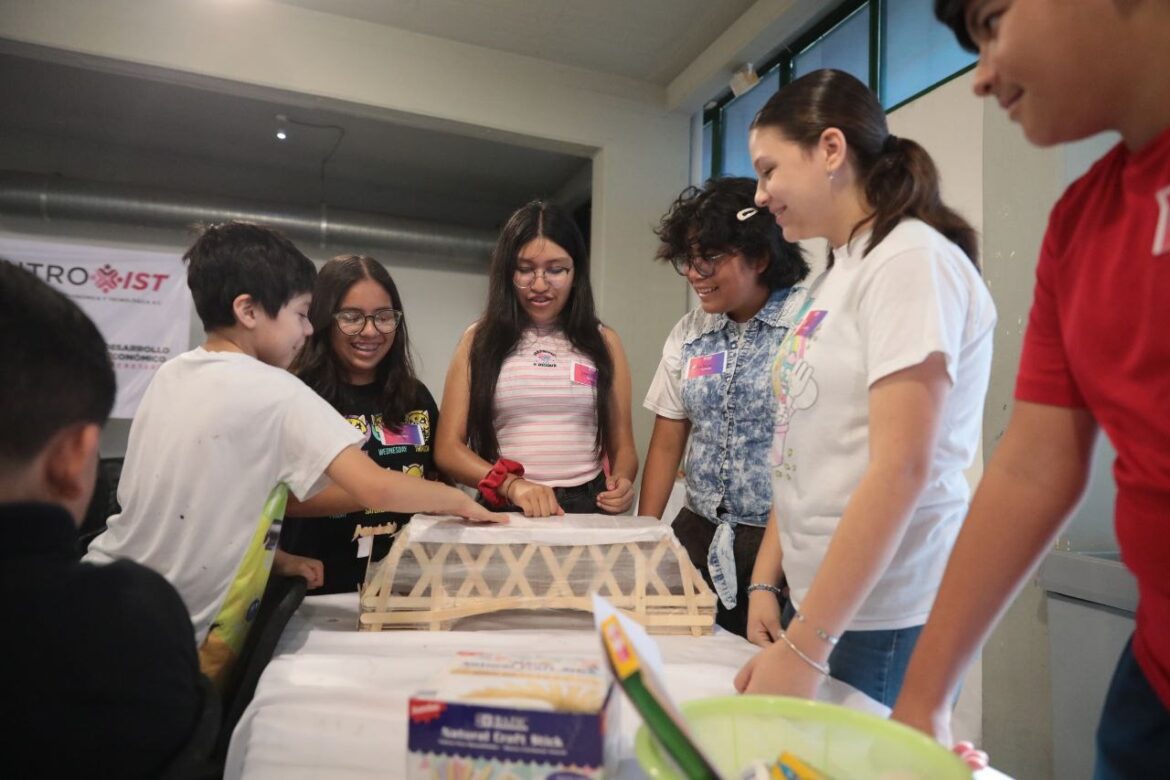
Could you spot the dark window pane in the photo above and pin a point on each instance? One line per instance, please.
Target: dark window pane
(708, 145)
(918, 50)
(737, 118)
(845, 47)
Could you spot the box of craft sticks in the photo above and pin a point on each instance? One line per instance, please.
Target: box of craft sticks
(493, 716)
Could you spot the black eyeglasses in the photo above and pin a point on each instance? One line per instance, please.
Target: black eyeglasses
(704, 263)
(353, 321)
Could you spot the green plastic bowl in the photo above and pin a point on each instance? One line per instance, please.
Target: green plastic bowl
(734, 731)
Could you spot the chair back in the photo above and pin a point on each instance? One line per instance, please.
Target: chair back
(281, 599)
(196, 760)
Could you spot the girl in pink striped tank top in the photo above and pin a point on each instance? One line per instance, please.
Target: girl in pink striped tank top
(539, 383)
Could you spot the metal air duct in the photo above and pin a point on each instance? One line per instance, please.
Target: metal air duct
(51, 198)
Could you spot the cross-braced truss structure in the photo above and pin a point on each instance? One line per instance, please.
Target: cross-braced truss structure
(440, 571)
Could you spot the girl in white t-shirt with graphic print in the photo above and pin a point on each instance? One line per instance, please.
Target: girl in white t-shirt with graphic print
(879, 392)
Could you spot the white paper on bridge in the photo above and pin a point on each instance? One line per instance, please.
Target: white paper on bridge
(566, 530)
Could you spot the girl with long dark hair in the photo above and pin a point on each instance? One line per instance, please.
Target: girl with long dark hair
(537, 399)
(359, 360)
(879, 391)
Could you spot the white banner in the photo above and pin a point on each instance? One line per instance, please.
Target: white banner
(138, 299)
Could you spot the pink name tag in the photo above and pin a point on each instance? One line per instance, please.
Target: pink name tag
(705, 365)
(584, 375)
(410, 433)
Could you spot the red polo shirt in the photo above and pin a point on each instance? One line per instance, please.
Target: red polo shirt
(1099, 338)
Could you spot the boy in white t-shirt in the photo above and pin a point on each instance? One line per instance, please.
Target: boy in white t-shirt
(224, 433)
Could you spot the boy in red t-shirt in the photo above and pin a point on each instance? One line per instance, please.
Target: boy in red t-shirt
(1096, 354)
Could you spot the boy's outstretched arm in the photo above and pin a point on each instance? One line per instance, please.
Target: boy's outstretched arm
(332, 500)
(370, 485)
(1032, 483)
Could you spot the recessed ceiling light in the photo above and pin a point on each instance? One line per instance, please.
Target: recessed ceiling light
(281, 135)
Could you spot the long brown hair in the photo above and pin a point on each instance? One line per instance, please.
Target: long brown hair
(399, 390)
(897, 175)
(504, 319)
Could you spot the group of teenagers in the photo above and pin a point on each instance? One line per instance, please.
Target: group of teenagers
(823, 405)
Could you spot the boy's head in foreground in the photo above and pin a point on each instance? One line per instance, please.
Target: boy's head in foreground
(57, 393)
(252, 289)
(1067, 69)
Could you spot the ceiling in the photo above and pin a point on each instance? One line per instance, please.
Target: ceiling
(646, 40)
(66, 116)
(90, 124)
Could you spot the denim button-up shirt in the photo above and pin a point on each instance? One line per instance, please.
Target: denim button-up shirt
(718, 377)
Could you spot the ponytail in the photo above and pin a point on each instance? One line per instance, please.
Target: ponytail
(904, 182)
(897, 175)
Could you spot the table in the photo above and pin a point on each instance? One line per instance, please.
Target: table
(332, 703)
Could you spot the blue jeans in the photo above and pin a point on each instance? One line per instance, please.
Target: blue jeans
(873, 662)
(1133, 739)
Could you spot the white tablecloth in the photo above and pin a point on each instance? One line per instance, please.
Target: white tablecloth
(333, 701)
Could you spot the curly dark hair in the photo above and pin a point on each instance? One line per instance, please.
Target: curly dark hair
(706, 218)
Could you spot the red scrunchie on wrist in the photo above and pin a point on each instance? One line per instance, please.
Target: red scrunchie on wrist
(489, 486)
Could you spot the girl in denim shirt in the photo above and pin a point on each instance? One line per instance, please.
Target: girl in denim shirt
(712, 384)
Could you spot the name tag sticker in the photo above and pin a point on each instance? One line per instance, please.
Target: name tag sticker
(584, 375)
(409, 433)
(706, 365)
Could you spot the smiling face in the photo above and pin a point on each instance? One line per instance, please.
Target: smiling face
(734, 288)
(1047, 64)
(358, 356)
(543, 279)
(793, 184)
(278, 339)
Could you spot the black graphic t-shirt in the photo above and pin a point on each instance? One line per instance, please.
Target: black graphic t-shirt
(405, 447)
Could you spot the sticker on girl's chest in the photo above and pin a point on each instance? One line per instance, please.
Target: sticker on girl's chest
(706, 365)
(584, 375)
(408, 433)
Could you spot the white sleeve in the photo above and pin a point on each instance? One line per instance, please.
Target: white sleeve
(912, 305)
(312, 434)
(664, 397)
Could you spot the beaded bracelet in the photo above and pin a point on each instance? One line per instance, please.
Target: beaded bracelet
(822, 668)
(820, 632)
(765, 586)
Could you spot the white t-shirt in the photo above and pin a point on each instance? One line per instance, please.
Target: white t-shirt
(215, 437)
(914, 295)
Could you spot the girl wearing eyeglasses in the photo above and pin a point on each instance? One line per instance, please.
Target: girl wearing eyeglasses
(358, 359)
(712, 386)
(537, 399)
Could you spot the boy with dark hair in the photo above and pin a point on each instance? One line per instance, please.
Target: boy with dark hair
(224, 432)
(1096, 353)
(98, 666)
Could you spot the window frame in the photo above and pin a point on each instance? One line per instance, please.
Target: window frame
(784, 60)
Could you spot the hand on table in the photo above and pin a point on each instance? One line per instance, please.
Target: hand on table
(618, 496)
(778, 671)
(763, 620)
(534, 499)
(466, 507)
(288, 565)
